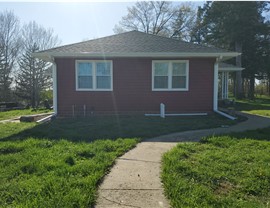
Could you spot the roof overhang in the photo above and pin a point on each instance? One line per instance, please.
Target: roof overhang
(49, 56)
(229, 68)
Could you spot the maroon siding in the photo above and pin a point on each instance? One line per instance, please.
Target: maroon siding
(132, 89)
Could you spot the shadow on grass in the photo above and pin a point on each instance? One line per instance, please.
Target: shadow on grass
(257, 104)
(113, 127)
(258, 134)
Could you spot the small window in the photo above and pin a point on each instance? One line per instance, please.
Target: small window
(170, 75)
(161, 75)
(94, 75)
(85, 76)
(103, 75)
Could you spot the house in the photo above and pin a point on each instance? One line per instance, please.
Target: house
(135, 72)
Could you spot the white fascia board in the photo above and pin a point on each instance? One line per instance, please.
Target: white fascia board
(44, 56)
(227, 69)
(47, 55)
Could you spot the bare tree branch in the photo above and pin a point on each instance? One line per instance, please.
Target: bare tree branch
(34, 75)
(158, 17)
(9, 49)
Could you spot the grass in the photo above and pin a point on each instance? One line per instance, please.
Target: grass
(225, 171)
(17, 113)
(55, 173)
(258, 106)
(113, 127)
(61, 163)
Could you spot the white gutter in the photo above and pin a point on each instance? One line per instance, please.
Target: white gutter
(178, 114)
(47, 118)
(225, 115)
(54, 87)
(47, 55)
(215, 95)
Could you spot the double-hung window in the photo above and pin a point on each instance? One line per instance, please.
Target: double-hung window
(93, 75)
(170, 75)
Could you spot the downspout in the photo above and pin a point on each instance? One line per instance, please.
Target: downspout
(54, 86)
(215, 96)
(215, 100)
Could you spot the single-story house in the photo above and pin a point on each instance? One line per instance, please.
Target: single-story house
(135, 72)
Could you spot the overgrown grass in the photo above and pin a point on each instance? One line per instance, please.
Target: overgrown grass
(258, 106)
(60, 163)
(50, 173)
(220, 171)
(17, 113)
(11, 131)
(112, 127)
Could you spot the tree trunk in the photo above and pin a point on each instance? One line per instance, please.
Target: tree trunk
(234, 85)
(239, 85)
(268, 87)
(251, 87)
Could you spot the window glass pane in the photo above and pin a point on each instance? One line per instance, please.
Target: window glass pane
(84, 69)
(178, 82)
(161, 69)
(161, 82)
(104, 69)
(103, 82)
(85, 82)
(179, 69)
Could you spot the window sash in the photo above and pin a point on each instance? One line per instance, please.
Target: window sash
(98, 76)
(103, 82)
(176, 77)
(161, 82)
(85, 82)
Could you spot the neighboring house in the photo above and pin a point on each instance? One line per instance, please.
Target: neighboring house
(135, 72)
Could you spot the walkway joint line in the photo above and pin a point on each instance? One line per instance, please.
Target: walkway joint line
(121, 204)
(136, 160)
(131, 189)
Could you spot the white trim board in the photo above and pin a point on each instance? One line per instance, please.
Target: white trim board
(49, 55)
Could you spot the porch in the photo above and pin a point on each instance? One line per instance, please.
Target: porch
(223, 76)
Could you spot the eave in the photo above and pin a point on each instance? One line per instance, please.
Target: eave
(49, 56)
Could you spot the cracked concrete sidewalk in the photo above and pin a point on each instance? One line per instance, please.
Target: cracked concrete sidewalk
(134, 181)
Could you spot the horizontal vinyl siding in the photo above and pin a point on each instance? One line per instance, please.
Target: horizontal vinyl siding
(132, 89)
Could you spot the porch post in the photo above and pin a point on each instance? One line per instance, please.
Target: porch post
(215, 96)
(222, 85)
(226, 84)
(54, 88)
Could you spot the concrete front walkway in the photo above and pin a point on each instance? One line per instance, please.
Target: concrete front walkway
(134, 181)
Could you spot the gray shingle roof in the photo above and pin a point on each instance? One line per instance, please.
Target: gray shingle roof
(135, 43)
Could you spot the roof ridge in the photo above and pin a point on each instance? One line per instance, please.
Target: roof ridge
(131, 42)
(86, 41)
(178, 40)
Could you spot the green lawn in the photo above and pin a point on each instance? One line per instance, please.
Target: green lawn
(55, 173)
(61, 163)
(225, 171)
(258, 106)
(112, 127)
(17, 113)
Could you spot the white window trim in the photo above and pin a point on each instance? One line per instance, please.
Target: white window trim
(170, 75)
(93, 76)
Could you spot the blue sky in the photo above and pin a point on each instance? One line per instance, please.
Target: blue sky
(72, 21)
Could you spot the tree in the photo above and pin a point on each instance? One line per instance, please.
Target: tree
(159, 18)
(9, 49)
(265, 51)
(198, 32)
(34, 75)
(237, 26)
